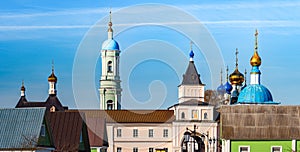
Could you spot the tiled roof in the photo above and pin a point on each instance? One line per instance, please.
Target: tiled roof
(66, 128)
(191, 76)
(260, 122)
(20, 128)
(132, 116)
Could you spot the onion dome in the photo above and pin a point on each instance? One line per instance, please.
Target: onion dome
(22, 87)
(255, 59)
(221, 89)
(227, 85)
(52, 77)
(236, 77)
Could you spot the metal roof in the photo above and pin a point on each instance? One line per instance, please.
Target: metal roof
(191, 76)
(67, 127)
(20, 128)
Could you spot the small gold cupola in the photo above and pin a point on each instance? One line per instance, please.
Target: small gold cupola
(236, 77)
(52, 77)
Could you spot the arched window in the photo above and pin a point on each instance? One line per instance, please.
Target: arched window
(182, 115)
(205, 115)
(109, 66)
(52, 109)
(110, 105)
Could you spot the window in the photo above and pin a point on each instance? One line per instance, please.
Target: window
(195, 114)
(135, 149)
(150, 132)
(151, 150)
(166, 132)
(80, 138)
(244, 149)
(135, 133)
(43, 130)
(182, 115)
(119, 149)
(109, 66)
(276, 149)
(52, 109)
(110, 105)
(205, 115)
(119, 132)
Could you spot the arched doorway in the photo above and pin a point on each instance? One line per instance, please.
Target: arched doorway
(195, 144)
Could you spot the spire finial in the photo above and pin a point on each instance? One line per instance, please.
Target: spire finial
(22, 89)
(256, 40)
(227, 73)
(52, 66)
(191, 45)
(221, 76)
(110, 22)
(236, 58)
(110, 14)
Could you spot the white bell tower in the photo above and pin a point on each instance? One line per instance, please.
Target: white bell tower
(110, 87)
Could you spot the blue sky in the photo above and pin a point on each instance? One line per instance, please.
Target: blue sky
(35, 32)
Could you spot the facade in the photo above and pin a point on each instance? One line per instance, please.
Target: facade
(194, 115)
(136, 130)
(268, 128)
(110, 87)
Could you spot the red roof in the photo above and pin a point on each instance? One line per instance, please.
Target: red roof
(132, 116)
(66, 128)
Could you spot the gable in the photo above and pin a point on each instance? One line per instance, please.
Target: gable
(20, 128)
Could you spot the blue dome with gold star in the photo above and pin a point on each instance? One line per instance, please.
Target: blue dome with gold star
(110, 44)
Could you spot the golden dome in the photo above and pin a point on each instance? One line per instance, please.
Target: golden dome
(52, 77)
(255, 59)
(236, 77)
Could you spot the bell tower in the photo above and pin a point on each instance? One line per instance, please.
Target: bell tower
(110, 87)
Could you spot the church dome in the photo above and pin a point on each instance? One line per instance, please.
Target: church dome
(227, 87)
(52, 77)
(221, 89)
(255, 94)
(110, 44)
(236, 77)
(255, 59)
